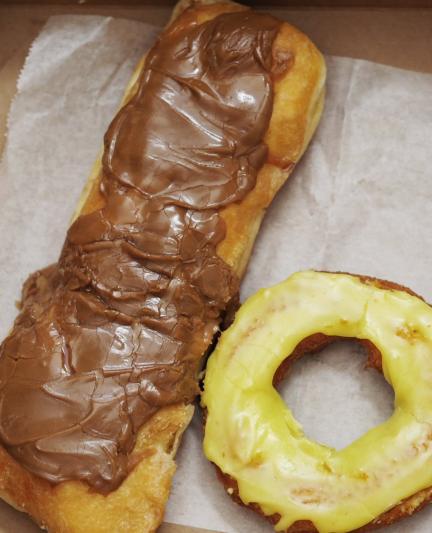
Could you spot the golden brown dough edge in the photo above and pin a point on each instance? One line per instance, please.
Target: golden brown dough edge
(313, 344)
(138, 504)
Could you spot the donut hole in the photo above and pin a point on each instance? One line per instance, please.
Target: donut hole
(337, 395)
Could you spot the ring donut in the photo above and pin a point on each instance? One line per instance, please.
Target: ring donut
(264, 458)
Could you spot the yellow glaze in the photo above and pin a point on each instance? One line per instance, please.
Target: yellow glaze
(253, 437)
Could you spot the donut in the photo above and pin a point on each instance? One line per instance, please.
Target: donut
(265, 460)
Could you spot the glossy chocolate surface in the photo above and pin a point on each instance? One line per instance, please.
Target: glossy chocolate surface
(118, 327)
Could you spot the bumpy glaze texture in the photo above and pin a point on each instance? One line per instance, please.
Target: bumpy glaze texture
(117, 328)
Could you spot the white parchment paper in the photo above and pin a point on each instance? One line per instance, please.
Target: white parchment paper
(360, 201)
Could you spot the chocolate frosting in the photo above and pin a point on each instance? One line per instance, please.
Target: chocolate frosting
(117, 328)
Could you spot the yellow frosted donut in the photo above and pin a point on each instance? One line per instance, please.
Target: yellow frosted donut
(253, 438)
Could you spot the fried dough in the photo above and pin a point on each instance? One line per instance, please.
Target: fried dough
(313, 344)
(138, 504)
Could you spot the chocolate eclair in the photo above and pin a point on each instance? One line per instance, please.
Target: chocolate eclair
(99, 372)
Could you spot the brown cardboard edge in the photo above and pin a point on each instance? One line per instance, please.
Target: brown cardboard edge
(256, 3)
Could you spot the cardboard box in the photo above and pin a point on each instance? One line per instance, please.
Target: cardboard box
(397, 33)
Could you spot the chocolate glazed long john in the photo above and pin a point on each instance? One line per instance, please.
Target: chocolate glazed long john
(108, 335)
